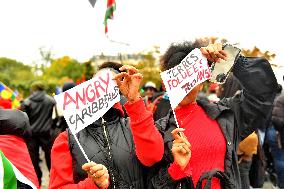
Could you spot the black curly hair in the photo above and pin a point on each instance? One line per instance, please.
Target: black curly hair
(177, 52)
(113, 65)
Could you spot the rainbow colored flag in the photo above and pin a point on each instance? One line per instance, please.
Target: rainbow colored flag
(9, 96)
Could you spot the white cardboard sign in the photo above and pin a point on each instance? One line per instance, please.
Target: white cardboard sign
(87, 102)
(181, 79)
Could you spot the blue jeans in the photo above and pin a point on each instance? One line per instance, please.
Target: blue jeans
(277, 154)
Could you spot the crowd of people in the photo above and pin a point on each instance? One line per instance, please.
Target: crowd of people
(230, 136)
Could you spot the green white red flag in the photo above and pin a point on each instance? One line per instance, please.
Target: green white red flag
(9, 175)
(111, 6)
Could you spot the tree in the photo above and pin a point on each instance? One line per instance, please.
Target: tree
(149, 66)
(89, 70)
(16, 75)
(256, 52)
(64, 67)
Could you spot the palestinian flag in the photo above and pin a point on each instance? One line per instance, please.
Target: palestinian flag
(109, 12)
(10, 175)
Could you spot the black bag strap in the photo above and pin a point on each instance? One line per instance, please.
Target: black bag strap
(208, 177)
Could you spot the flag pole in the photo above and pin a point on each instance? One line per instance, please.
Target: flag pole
(174, 115)
(176, 119)
(81, 148)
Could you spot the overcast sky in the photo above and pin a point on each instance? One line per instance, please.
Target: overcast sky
(74, 28)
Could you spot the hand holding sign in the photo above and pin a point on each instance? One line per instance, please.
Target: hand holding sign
(214, 52)
(129, 82)
(98, 173)
(181, 148)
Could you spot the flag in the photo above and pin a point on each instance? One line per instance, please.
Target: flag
(7, 96)
(111, 6)
(9, 175)
(93, 2)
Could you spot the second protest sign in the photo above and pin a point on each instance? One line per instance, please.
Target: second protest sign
(181, 79)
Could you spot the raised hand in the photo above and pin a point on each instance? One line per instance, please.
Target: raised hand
(214, 52)
(129, 82)
(98, 173)
(181, 148)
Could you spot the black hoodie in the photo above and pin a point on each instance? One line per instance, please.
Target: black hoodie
(39, 107)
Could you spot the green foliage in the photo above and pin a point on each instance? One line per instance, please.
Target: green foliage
(149, 66)
(64, 67)
(55, 72)
(19, 77)
(12, 71)
(16, 75)
(89, 70)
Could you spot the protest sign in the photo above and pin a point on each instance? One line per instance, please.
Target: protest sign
(181, 79)
(87, 102)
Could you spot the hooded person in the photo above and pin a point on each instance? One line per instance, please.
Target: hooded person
(15, 130)
(203, 152)
(39, 107)
(120, 149)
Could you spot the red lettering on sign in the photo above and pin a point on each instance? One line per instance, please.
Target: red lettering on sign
(98, 85)
(200, 75)
(90, 99)
(195, 69)
(82, 99)
(67, 100)
(106, 82)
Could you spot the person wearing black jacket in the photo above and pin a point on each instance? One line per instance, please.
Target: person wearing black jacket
(39, 107)
(236, 117)
(123, 147)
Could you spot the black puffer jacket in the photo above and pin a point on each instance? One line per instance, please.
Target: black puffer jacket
(39, 107)
(14, 122)
(111, 144)
(237, 117)
(278, 116)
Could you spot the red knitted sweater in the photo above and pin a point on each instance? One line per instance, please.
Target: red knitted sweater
(208, 145)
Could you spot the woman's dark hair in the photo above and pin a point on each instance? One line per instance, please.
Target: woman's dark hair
(178, 51)
(113, 65)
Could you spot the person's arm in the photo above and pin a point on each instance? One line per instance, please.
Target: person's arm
(255, 101)
(168, 173)
(61, 173)
(148, 141)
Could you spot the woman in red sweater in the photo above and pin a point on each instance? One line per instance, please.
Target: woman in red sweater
(212, 129)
